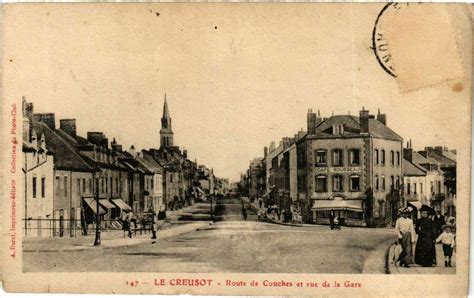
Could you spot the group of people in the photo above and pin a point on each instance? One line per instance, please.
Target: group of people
(130, 222)
(431, 229)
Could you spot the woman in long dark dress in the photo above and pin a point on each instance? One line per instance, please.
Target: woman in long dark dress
(425, 245)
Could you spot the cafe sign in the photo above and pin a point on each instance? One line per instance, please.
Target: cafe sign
(339, 170)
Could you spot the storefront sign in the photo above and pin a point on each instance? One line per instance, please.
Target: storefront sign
(339, 170)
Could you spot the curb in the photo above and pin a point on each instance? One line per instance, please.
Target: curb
(82, 248)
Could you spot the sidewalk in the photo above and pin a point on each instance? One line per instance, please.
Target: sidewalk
(416, 269)
(109, 239)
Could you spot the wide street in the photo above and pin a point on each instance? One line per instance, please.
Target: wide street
(233, 245)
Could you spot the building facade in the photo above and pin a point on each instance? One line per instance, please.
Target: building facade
(353, 169)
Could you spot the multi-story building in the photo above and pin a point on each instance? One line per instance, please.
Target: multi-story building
(446, 161)
(38, 180)
(353, 169)
(154, 185)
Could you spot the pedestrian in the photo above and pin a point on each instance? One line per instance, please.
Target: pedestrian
(439, 221)
(406, 234)
(448, 239)
(331, 219)
(244, 212)
(130, 223)
(260, 203)
(425, 253)
(154, 228)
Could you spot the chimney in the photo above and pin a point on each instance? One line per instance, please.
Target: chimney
(408, 154)
(27, 109)
(311, 122)
(69, 126)
(105, 142)
(382, 118)
(185, 153)
(265, 151)
(115, 146)
(47, 118)
(132, 151)
(438, 150)
(95, 137)
(272, 146)
(364, 120)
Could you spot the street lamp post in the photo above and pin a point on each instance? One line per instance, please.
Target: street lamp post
(97, 226)
(210, 196)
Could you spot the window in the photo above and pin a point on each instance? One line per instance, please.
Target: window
(337, 157)
(414, 188)
(355, 183)
(439, 186)
(102, 185)
(106, 184)
(408, 188)
(321, 183)
(65, 186)
(151, 182)
(337, 183)
(111, 184)
(57, 185)
(83, 185)
(34, 187)
(398, 182)
(116, 185)
(392, 158)
(382, 157)
(382, 182)
(78, 189)
(421, 187)
(398, 158)
(376, 156)
(432, 187)
(90, 185)
(377, 183)
(392, 182)
(43, 187)
(354, 156)
(320, 156)
(338, 129)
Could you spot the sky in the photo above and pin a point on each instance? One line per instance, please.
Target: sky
(236, 76)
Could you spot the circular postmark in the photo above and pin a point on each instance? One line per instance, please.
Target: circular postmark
(380, 45)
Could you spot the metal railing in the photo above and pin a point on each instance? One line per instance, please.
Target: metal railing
(77, 228)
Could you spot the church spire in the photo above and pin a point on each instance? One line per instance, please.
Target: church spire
(166, 112)
(166, 132)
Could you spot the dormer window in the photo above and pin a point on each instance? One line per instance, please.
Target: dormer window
(338, 129)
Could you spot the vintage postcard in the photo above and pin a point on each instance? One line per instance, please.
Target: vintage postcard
(315, 149)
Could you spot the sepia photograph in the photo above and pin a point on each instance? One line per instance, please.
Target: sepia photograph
(200, 145)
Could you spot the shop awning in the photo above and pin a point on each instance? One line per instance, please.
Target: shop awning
(106, 203)
(121, 204)
(352, 205)
(91, 202)
(416, 204)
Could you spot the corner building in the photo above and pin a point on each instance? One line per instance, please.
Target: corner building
(353, 169)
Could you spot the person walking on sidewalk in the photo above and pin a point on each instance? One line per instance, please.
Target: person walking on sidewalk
(425, 252)
(154, 226)
(447, 238)
(260, 203)
(406, 233)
